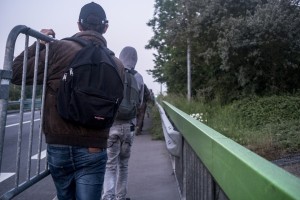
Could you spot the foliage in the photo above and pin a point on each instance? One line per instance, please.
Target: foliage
(239, 48)
(156, 128)
(15, 92)
(168, 28)
(269, 126)
(257, 112)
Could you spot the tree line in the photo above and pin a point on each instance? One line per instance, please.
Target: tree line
(238, 47)
(15, 92)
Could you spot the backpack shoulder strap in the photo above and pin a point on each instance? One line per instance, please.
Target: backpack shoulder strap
(79, 40)
(132, 71)
(127, 84)
(84, 43)
(110, 52)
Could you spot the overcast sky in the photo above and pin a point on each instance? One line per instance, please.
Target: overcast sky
(127, 25)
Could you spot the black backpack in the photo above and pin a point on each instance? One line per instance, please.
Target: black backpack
(91, 89)
(129, 105)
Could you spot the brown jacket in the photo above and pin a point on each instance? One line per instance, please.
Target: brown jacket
(61, 53)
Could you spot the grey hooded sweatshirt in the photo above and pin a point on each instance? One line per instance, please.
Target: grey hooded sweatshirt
(128, 57)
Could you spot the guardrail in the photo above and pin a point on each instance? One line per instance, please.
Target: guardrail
(5, 77)
(212, 166)
(27, 104)
(173, 138)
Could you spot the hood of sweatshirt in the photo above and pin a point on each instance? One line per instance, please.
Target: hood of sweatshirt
(128, 56)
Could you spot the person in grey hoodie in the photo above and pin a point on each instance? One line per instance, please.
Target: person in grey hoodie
(120, 140)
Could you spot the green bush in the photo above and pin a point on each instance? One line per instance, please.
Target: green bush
(269, 126)
(156, 128)
(257, 112)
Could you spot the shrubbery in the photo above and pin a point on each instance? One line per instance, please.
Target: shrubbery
(269, 126)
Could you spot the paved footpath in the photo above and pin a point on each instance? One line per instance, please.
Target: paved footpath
(151, 175)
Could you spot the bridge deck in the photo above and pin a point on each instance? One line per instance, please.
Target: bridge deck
(150, 173)
(150, 169)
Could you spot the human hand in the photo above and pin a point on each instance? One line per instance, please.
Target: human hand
(48, 32)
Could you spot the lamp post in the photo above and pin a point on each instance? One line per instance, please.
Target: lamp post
(188, 52)
(189, 79)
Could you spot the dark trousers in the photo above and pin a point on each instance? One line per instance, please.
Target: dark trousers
(140, 118)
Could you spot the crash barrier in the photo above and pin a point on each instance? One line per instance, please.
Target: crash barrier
(172, 137)
(212, 166)
(25, 174)
(15, 105)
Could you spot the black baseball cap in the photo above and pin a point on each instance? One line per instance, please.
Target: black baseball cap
(92, 13)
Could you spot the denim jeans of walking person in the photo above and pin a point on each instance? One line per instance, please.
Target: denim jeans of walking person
(118, 150)
(77, 172)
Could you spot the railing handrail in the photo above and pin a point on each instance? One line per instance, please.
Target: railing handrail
(240, 173)
(11, 40)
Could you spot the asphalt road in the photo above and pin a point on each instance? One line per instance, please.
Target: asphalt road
(28, 165)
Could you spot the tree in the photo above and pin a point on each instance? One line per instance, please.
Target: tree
(168, 27)
(239, 47)
(262, 49)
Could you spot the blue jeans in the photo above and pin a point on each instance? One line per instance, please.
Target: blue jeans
(118, 151)
(76, 172)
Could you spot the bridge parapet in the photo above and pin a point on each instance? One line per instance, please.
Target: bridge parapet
(212, 166)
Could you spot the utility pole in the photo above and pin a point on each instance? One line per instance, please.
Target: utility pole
(188, 53)
(189, 78)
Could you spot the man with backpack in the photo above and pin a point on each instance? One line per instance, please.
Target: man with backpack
(77, 137)
(142, 110)
(122, 132)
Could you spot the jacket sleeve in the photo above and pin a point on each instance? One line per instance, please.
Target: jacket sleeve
(18, 65)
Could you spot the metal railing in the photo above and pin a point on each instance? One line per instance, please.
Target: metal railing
(5, 77)
(212, 166)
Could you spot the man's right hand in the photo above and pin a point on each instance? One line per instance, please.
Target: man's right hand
(48, 32)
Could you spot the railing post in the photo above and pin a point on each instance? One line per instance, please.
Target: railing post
(184, 166)
(5, 76)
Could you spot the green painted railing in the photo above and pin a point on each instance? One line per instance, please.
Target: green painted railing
(240, 173)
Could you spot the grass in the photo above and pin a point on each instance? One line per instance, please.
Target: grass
(156, 128)
(269, 126)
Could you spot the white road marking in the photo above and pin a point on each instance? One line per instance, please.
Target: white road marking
(4, 176)
(43, 155)
(16, 124)
(25, 113)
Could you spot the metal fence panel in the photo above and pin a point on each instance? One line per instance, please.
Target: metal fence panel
(24, 149)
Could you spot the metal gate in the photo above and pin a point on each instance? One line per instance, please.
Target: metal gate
(30, 165)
